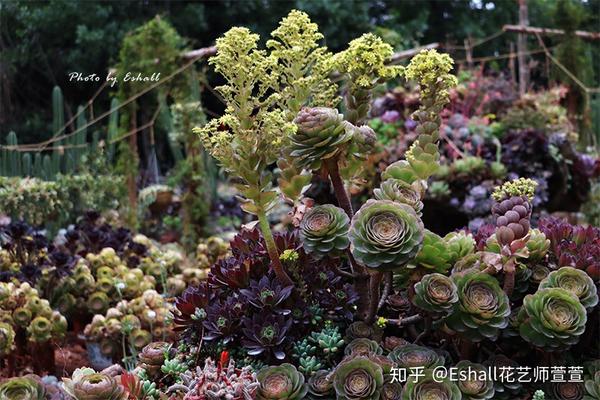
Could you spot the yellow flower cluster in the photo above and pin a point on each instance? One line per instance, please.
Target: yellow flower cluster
(432, 71)
(518, 187)
(366, 60)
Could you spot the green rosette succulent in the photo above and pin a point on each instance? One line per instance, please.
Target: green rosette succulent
(434, 254)
(363, 347)
(401, 192)
(391, 390)
(470, 383)
(7, 338)
(574, 281)
(358, 378)
(280, 382)
(592, 387)
(385, 235)
(400, 170)
(482, 309)
(324, 231)
(552, 319)
(435, 293)
(413, 356)
(320, 386)
(40, 330)
(460, 244)
(87, 384)
(538, 245)
(322, 134)
(427, 388)
(24, 388)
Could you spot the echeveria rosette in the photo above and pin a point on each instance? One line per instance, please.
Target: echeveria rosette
(87, 384)
(434, 254)
(482, 309)
(473, 388)
(358, 378)
(23, 388)
(435, 293)
(321, 134)
(391, 390)
(575, 281)
(385, 235)
(324, 231)
(401, 192)
(552, 319)
(426, 387)
(282, 382)
(413, 356)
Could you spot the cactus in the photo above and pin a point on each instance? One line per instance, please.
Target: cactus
(27, 166)
(58, 114)
(14, 164)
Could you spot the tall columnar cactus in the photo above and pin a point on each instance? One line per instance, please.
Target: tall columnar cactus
(58, 111)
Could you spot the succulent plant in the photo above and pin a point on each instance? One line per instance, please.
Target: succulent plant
(412, 356)
(321, 134)
(329, 339)
(7, 338)
(592, 387)
(539, 395)
(87, 384)
(460, 244)
(538, 245)
(358, 378)
(222, 380)
(23, 388)
(513, 210)
(361, 329)
(391, 390)
(567, 390)
(320, 385)
(385, 234)
(435, 293)
(472, 386)
(552, 319)
(434, 255)
(427, 387)
(401, 192)
(324, 231)
(482, 309)
(152, 357)
(267, 294)
(265, 333)
(362, 347)
(575, 281)
(281, 382)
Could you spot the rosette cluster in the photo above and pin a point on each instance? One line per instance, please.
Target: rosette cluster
(324, 231)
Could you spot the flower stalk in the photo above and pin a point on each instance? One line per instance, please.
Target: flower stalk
(265, 228)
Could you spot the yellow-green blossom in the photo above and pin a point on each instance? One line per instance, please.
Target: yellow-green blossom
(366, 60)
(517, 187)
(432, 71)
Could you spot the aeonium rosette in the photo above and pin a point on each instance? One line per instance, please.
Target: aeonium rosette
(552, 319)
(324, 231)
(385, 235)
(435, 293)
(358, 378)
(482, 308)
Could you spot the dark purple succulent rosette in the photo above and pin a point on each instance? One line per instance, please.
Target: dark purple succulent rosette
(266, 333)
(267, 294)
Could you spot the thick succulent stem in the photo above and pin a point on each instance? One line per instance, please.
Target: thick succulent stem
(509, 281)
(402, 322)
(265, 228)
(387, 287)
(374, 292)
(338, 186)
